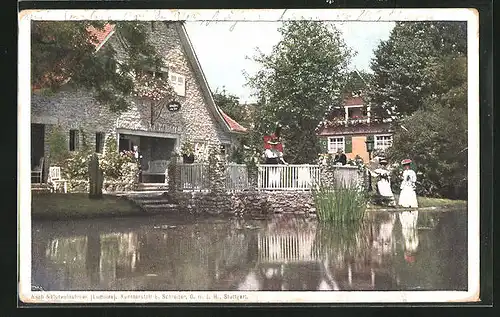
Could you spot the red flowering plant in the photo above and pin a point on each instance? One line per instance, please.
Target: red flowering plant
(114, 163)
(128, 155)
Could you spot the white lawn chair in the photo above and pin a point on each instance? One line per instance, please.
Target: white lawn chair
(55, 179)
(38, 171)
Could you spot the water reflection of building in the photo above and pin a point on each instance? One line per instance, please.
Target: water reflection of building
(280, 248)
(153, 260)
(118, 256)
(70, 253)
(308, 258)
(282, 254)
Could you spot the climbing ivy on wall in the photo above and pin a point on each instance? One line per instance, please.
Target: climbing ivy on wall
(64, 53)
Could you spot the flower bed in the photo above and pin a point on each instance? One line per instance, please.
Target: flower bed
(121, 170)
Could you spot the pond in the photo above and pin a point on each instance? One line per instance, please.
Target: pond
(392, 251)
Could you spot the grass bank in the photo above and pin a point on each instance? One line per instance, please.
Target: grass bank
(428, 202)
(440, 202)
(71, 206)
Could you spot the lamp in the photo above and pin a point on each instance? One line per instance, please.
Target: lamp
(369, 146)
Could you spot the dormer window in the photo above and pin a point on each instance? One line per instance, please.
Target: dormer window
(354, 112)
(178, 83)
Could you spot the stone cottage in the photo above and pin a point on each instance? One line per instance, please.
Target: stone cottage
(348, 126)
(197, 119)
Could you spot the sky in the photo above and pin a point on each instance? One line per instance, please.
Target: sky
(223, 48)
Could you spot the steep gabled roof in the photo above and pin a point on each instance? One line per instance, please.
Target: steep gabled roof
(332, 127)
(227, 122)
(195, 64)
(235, 126)
(101, 35)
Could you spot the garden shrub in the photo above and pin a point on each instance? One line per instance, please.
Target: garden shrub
(118, 168)
(436, 139)
(58, 146)
(76, 166)
(114, 164)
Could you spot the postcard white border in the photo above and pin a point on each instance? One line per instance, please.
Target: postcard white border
(24, 181)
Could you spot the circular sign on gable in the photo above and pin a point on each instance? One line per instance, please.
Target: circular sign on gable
(173, 106)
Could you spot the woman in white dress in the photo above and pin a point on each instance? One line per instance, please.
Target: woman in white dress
(408, 197)
(384, 183)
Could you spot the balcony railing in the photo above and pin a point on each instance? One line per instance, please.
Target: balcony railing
(358, 120)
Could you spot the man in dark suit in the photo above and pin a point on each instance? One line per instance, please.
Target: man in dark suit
(340, 157)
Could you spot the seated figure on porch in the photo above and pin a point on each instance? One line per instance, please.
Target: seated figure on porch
(273, 149)
(384, 184)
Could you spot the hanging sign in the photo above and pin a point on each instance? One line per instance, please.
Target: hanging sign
(173, 106)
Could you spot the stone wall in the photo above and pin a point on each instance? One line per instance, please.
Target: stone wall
(244, 203)
(77, 109)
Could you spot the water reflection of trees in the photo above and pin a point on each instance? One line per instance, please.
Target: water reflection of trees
(198, 257)
(71, 253)
(280, 254)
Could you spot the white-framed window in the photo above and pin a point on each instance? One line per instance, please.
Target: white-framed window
(336, 143)
(178, 82)
(383, 142)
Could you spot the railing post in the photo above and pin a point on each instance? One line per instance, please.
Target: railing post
(174, 175)
(327, 172)
(253, 173)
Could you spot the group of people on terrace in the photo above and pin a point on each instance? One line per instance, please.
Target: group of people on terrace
(273, 154)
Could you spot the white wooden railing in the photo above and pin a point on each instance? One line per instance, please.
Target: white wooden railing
(270, 177)
(287, 177)
(194, 176)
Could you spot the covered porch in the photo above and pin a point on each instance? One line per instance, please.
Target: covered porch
(156, 149)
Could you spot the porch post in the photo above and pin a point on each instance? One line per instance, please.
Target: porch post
(118, 141)
(346, 109)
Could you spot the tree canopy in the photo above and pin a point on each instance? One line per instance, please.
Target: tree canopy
(230, 104)
(64, 52)
(298, 82)
(420, 74)
(405, 65)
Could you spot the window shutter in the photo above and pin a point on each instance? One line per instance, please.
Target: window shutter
(348, 144)
(181, 84)
(323, 145)
(77, 140)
